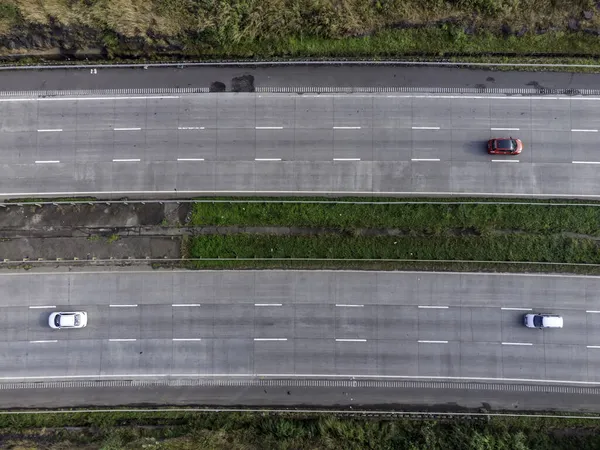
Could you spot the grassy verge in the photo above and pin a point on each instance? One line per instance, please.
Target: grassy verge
(435, 219)
(307, 28)
(186, 431)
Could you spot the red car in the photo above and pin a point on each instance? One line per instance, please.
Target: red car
(505, 146)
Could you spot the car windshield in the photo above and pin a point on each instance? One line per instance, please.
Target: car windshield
(77, 319)
(57, 321)
(537, 321)
(505, 144)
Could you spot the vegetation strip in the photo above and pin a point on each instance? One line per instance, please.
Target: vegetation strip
(418, 218)
(182, 430)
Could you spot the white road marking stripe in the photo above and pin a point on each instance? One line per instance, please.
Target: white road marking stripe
(123, 306)
(43, 342)
(127, 160)
(50, 130)
(42, 307)
(298, 376)
(121, 340)
(593, 346)
(190, 159)
(517, 343)
(267, 159)
(346, 159)
(346, 305)
(432, 307)
(425, 128)
(268, 304)
(79, 99)
(269, 128)
(270, 339)
(504, 129)
(585, 162)
(351, 340)
(190, 128)
(50, 161)
(516, 309)
(346, 128)
(432, 342)
(127, 129)
(506, 160)
(175, 305)
(186, 339)
(580, 130)
(424, 159)
(590, 312)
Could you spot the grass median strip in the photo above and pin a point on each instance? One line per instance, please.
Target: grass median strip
(516, 248)
(418, 218)
(398, 236)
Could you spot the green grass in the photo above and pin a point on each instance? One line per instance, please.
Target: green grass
(231, 430)
(316, 28)
(417, 218)
(515, 248)
(428, 236)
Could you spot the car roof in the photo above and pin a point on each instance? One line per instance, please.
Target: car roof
(506, 143)
(552, 321)
(67, 320)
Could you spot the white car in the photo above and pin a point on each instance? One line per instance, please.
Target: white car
(60, 320)
(543, 321)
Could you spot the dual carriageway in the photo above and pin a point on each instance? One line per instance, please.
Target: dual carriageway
(294, 325)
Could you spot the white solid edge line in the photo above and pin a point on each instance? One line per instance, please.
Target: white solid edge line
(346, 128)
(270, 339)
(516, 309)
(506, 160)
(267, 159)
(583, 130)
(346, 159)
(186, 339)
(585, 162)
(43, 342)
(504, 129)
(432, 342)
(425, 128)
(175, 305)
(42, 307)
(190, 159)
(432, 307)
(351, 340)
(50, 161)
(190, 128)
(593, 312)
(269, 128)
(346, 305)
(127, 160)
(592, 346)
(122, 306)
(127, 129)
(268, 304)
(121, 340)
(49, 130)
(425, 159)
(517, 343)
(301, 375)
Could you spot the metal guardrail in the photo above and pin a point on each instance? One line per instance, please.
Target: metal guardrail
(290, 62)
(309, 90)
(133, 260)
(282, 201)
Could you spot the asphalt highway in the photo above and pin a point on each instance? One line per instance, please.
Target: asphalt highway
(288, 143)
(297, 325)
